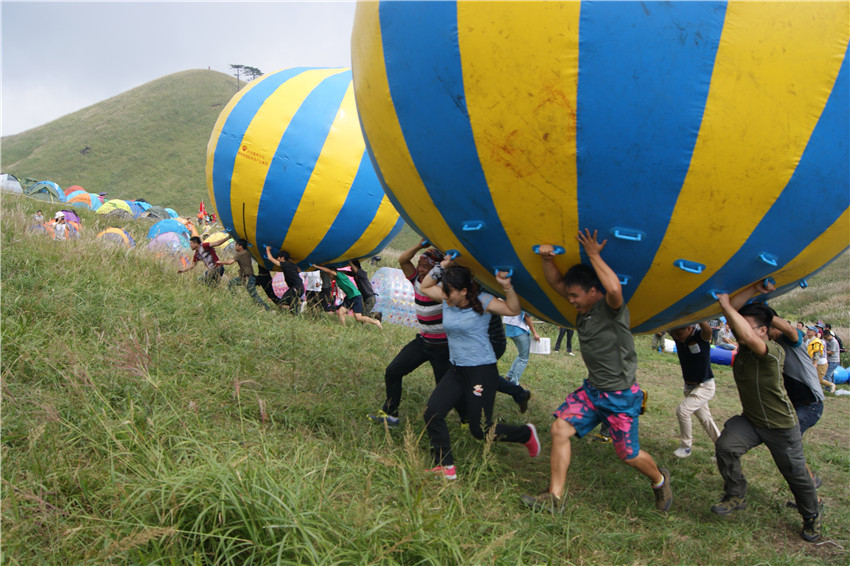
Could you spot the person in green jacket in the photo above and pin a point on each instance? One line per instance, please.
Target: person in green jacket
(353, 299)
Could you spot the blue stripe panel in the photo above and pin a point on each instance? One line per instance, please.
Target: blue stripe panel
(644, 74)
(816, 195)
(357, 213)
(227, 146)
(426, 84)
(305, 136)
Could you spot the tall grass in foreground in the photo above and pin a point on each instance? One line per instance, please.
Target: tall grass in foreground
(148, 419)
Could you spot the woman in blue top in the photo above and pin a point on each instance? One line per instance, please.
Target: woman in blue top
(473, 377)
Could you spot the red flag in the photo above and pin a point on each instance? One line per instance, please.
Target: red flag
(202, 210)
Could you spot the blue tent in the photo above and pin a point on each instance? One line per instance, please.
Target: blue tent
(143, 204)
(172, 213)
(173, 242)
(169, 225)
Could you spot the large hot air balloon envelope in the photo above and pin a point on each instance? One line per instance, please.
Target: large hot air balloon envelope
(287, 167)
(707, 141)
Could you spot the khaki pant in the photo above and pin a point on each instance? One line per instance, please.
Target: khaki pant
(696, 403)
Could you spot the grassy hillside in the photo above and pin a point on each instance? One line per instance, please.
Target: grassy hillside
(149, 419)
(149, 142)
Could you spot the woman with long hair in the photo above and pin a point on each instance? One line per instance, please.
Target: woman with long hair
(473, 377)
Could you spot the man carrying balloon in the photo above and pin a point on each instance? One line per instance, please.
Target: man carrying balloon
(610, 393)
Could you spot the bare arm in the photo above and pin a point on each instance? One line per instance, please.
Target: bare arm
(553, 275)
(329, 271)
(593, 248)
(758, 288)
(405, 260)
(788, 329)
(270, 257)
(745, 334)
(510, 306)
(530, 324)
(185, 269)
(225, 262)
(705, 331)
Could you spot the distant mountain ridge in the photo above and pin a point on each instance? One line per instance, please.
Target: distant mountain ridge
(149, 142)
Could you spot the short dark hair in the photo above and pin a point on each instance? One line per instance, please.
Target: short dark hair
(242, 243)
(759, 312)
(284, 254)
(584, 276)
(195, 239)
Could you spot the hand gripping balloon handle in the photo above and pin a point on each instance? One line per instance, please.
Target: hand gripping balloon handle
(715, 292)
(506, 268)
(558, 250)
(425, 242)
(452, 254)
(769, 281)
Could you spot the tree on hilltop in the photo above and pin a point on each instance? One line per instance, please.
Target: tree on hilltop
(253, 72)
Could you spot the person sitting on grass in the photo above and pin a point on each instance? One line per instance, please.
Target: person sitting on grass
(246, 276)
(291, 299)
(610, 393)
(205, 252)
(473, 376)
(353, 299)
(768, 416)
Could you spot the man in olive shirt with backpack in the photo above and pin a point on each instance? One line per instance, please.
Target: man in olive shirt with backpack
(768, 416)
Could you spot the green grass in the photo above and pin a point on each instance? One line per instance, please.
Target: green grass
(148, 419)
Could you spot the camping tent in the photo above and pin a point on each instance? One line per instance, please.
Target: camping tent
(173, 242)
(117, 236)
(82, 199)
(171, 213)
(116, 207)
(135, 208)
(72, 230)
(46, 190)
(69, 194)
(155, 213)
(143, 204)
(11, 184)
(168, 226)
(71, 216)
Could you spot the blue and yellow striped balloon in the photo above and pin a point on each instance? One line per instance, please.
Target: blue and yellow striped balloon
(287, 167)
(707, 141)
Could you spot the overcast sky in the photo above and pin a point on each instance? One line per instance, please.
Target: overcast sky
(59, 57)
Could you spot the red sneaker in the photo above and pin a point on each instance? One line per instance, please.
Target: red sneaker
(449, 472)
(533, 443)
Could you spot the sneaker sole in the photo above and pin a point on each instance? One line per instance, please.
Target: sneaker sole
(740, 507)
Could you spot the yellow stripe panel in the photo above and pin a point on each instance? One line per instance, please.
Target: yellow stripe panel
(334, 174)
(826, 246)
(216, 134)
(526, 144)
(383, 130)
(773, 74)
(262, 138)
(380, 227)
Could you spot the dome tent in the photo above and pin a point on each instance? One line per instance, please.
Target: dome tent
(117, 236)
(47, 191)
(10, 184)
(167, 226)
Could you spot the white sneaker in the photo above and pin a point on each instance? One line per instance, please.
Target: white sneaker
(682, 452)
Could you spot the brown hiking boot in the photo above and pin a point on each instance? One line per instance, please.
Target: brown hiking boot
(663, 494)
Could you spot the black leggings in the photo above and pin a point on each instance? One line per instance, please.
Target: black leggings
(476, 387)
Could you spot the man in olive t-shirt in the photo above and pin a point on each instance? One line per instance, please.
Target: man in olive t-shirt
(242, 257)
(768, 417)
(610, 393)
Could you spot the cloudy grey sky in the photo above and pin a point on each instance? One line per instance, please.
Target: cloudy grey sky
(59, 57)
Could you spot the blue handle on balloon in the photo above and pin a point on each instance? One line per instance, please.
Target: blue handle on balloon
(452, 254)
(425, 242)
(627, 234)
(558, 250)
(689, 266)
(769, 259)
(804, 283)
(714, 293)
(506, 268)
(472, 225)
(624, 279)
(769, 281)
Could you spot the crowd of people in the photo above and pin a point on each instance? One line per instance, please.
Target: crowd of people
(775, 375)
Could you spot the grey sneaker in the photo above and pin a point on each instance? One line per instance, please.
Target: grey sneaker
(729, 503)
(663, 494)
(811, 529)
(682, 452)
(546, 501)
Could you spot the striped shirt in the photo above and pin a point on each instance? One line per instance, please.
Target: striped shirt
(429, 313)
